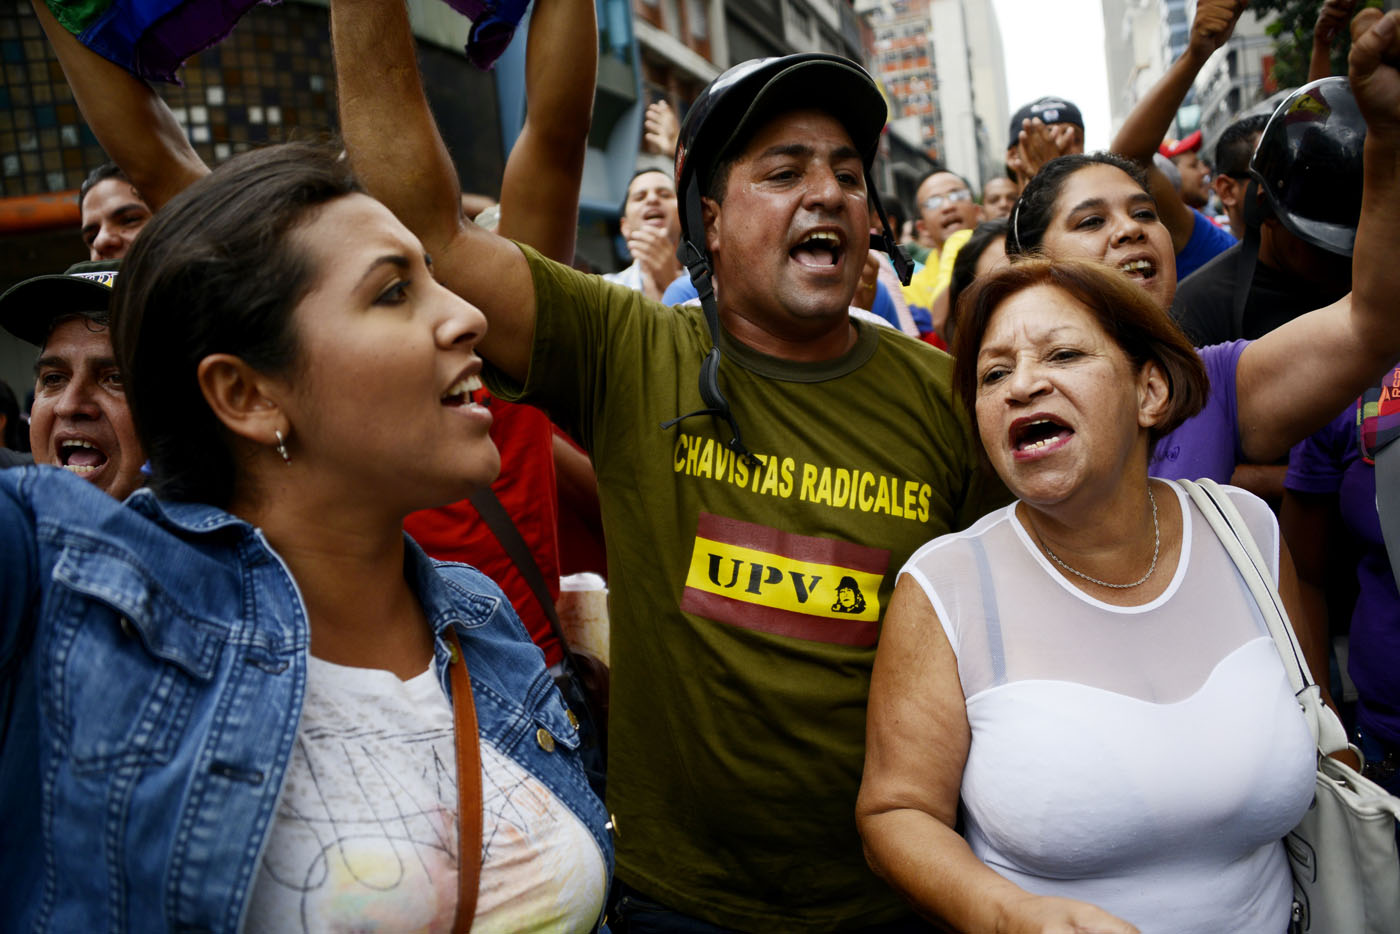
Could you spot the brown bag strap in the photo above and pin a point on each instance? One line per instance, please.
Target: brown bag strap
(468, 788)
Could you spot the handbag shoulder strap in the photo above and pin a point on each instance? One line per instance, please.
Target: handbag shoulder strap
(469, 817)
(493, 512)
(1229, 526)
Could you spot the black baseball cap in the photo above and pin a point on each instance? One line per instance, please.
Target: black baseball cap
(1049, 110)
(746, 96)
(28, 309)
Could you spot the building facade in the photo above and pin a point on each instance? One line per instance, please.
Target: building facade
(943, 70)
(1236, 79)
(273, 79)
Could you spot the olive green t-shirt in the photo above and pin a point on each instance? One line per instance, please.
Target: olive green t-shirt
(746, 603)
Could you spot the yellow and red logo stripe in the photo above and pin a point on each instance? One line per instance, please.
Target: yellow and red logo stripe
(777, 582)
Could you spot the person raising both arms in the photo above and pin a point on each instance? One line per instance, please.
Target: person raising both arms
(205, 678)
(816, 448)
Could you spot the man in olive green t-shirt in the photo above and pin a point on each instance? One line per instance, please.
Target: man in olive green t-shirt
(753, 545)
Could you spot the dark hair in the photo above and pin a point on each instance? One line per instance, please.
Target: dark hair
(1236, 145)
(718, 183)
(97, 319)
(894, 210)
(100, 174)
(1127, 314)
(627, 189)
(14, 437)
(1035, 209)
(965, 266)
(941, 170)
(216, 272)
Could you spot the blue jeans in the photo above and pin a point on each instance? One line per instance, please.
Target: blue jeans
(634, 913)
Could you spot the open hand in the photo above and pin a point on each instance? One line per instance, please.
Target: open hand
(656, 256)
(662, 129)
(1038, 144)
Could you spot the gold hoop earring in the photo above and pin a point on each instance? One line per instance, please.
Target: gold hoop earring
(282, 447)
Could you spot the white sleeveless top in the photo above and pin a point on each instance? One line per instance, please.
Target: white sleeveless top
(365, 834)
(1144, 759)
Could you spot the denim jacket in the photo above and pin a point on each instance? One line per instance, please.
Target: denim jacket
(153, 661)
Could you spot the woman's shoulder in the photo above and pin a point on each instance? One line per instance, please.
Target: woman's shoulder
(957, 548)
(462, 593)
(1259, 519)
(1249, 505)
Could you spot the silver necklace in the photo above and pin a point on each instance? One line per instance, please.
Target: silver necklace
(1156, 546)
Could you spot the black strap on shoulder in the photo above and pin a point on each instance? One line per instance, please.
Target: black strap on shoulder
(493, 513)
(1247, 258)
(701, 275)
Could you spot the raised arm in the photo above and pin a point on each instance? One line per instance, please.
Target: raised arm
(1331, 20)
(1147, 124)
(398, 154)
(540, 190)
(1037, 144)
(1296, 378)
(662, 129)
(917, 740)
(131, 122)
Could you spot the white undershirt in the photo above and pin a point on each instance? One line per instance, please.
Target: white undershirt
(1147, 759)
(365, 835)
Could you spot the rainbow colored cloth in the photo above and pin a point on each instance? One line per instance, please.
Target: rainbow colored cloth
(1378, 416)
(153, 38)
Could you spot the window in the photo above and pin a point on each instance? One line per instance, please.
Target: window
(697, 14)
(799, 21)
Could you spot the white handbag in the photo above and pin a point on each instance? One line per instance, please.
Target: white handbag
(1346, 871)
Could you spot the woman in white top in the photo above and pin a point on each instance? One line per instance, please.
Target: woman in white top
(1084, 668)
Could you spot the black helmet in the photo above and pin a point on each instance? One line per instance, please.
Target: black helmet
(720, 121)
(1308, 164)
(739, 101)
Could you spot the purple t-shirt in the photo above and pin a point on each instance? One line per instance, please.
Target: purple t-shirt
(1208, 443)
(1330, 462)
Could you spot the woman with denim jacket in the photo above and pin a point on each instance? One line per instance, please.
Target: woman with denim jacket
(226, 703)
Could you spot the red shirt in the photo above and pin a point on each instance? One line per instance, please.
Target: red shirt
(527, 489)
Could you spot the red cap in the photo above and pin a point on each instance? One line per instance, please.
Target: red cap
(1189, 144)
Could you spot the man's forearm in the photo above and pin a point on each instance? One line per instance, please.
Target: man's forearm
(131, 122)
(400, 158)
(1375, 278)
(543, 175)
(1147, 124)
(388, 129)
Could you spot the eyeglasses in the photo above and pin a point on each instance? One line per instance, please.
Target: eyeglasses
(952, 197)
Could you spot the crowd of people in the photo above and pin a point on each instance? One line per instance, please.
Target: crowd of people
(911, 626)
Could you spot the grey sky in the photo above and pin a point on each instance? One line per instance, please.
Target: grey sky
(1056, 47)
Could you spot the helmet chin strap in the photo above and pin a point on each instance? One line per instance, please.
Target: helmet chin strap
(885, 241)
(1256, 211)
(698, 265)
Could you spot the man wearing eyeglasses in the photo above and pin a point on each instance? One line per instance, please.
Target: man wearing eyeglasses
(945, 207)
(947, 216)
